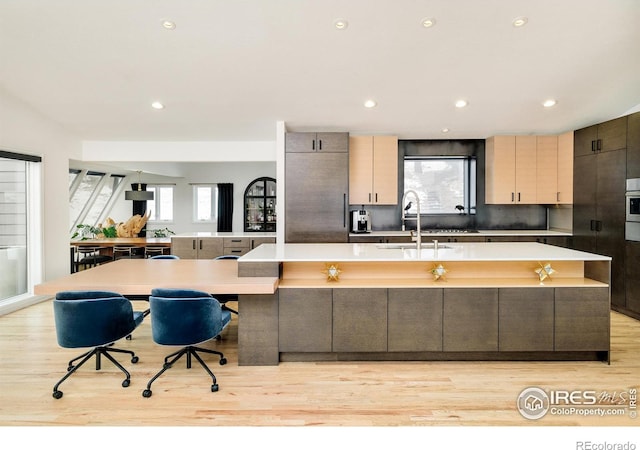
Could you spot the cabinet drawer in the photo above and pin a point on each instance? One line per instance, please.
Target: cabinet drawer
(237, 242)
(238, 251)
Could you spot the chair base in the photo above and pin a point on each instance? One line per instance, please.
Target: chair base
(188, 351)
(97, 352)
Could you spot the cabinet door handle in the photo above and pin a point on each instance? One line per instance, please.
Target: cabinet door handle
(344, 210)
(557, 196)
(369, 197)
(512, 197)
(599, 146)
(593, 146)
(200, 245)
(313, 145)
(319, 144)
(376, 197)
(592, 225)
(598, 225)
(518, 196)
(194, 244)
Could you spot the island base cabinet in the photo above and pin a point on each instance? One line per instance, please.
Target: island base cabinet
(258, 330)
(582, 319)
(359, 320)
(415, 320)
(526, 319)
(305, 317)
(470, 320)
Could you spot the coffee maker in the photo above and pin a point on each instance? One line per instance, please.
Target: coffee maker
(360, 221)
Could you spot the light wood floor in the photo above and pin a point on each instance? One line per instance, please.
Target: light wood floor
(291, 394)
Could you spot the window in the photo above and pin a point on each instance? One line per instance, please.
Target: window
(98, 208)
(205, 202)
(444, 184)
(161, 207)
(20, 226)
(82, 191)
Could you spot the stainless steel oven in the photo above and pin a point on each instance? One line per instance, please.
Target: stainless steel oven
(632, 199)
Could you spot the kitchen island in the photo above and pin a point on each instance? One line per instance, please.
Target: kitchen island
(452, 301)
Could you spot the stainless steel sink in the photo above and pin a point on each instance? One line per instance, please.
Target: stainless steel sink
(403, 246)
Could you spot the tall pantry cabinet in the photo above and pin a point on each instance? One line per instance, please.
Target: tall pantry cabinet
(316, 187)
(632, 254)
(599, 197)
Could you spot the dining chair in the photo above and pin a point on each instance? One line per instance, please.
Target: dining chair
(93, 319)
(186, 317)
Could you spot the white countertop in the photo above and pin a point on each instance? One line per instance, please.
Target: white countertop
(432, 233)
(482, 251)
(250, 234)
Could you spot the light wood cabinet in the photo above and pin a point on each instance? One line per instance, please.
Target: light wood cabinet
(373, 170)
(547, 169)
(510, 174)
(565, 169)
(529, 169)
(197, 247)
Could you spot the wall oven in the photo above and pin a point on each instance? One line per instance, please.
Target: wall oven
(632, 200)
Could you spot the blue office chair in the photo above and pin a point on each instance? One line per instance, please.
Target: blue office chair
(186, 317)
(165, 257)
(93, 319)
(224, 298)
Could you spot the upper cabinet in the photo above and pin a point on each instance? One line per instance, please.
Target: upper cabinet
(316, 142)
(604, 137)
(373, 170)
(510, 174)
(529, 169)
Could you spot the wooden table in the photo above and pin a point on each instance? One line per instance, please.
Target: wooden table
(135, 277)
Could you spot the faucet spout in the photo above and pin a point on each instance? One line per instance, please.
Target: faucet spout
(404, 218)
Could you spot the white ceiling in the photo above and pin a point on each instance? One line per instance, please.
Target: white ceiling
(232, 68)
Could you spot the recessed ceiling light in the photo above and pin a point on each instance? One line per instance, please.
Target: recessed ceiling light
(519, 22)
(549, 103)
(445, 130)
(340, 24)
(370, 104)
(461, 103)
(169, 25)
(428, 22)
(157, 105)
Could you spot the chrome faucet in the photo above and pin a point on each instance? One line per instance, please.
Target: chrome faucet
(417, 219)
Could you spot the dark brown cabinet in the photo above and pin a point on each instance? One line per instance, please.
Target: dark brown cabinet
(605, 137)
(633, 146)
(470, 320)
(317, 189)
(526, 319)
(305, 320)
(415, 320)
(310, 142)
(599, 201)
(582, 319)
(359, 320)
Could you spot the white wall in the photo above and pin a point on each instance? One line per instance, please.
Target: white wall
(24, 130)
(238, 173)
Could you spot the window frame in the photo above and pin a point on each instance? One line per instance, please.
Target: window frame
(469, 189)
(156, 208)
(213, 217)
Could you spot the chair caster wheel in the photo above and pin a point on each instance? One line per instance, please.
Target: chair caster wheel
(57, 394)
(126, 383)
(146, 393)
(223, 361)
(214, 388)
(135, 359)
(128, 338)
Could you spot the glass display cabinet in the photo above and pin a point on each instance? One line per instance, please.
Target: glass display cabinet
(260, 205)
